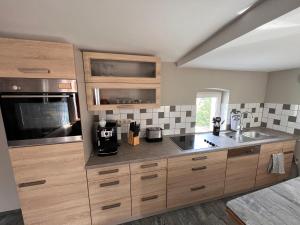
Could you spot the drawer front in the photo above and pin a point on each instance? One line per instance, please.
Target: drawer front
(113, 212)
(194, 193)
(65, 204)
(99, 174)
(288, 160)
(191, 174)
(148, 204)
(194, 160)
(241, 173)
(148, 166)
(36, 59)
(263, 177)
(289, 146)
(144, 183)
(271, 148)
(48, 165)
(109, 189)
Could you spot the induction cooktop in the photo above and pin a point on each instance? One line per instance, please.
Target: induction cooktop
(192, 141)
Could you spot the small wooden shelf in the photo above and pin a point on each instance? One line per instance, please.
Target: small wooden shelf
(106, 96)
(121, 68)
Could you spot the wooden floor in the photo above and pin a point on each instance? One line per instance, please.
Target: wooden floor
(211, 213)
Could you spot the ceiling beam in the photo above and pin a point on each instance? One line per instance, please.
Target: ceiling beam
(263, 11)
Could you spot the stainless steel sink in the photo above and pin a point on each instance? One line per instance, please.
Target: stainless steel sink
(255, 134)
(248, 136)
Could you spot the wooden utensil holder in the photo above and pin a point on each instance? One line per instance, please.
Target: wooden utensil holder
(133, 140)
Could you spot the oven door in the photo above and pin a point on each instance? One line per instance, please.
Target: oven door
(32, 119)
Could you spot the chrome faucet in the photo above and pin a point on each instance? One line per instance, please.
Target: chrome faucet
(241, 126)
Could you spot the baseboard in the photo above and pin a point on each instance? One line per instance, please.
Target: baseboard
(15, 211)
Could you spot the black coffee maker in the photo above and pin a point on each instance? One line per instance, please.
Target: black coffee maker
(106, 139)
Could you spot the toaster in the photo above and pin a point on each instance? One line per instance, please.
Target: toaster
(154, 134)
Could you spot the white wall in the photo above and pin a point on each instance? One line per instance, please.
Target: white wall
(284, 87)
(179, 86)
(8, 192)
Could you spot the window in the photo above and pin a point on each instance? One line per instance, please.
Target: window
(208, 106)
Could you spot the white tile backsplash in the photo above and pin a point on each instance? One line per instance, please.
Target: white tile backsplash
(270, 115)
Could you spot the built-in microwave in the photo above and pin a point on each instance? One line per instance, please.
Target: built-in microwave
(40, 111)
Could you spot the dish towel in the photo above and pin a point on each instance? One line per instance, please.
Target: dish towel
(276, 164)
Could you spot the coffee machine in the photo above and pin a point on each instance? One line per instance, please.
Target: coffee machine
(106, 141)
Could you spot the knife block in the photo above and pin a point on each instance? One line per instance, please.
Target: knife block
(133, 140)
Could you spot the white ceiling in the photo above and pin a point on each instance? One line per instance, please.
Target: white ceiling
(167, 28)
(271, 47)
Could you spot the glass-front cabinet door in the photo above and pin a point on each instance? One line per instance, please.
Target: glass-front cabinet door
(121, 68)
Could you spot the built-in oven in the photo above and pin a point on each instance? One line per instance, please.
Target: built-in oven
(40, 111)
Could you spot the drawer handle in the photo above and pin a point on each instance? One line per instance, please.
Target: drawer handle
(111, 206)
(289, 152)
(149, 177)
(149, 165)
(32, 183)
(110, 183)
(199, 168)
(108, 171)
(149, 198)
(125, 106)
(199, 158)
(34, 70)
(198, 188)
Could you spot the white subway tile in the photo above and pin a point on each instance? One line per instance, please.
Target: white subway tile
(290, 130)
(149, 110)
(126, 110)
(146, 116)
(177, 108)
(174, 114)
(185, 108)
(294, 107)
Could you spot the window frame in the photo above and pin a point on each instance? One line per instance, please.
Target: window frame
(208, 94)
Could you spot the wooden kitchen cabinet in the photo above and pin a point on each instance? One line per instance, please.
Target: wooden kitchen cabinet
(51, 183)
(116, 81)
(148, 187)
(111, 212)
(200, 190)
(36, 59)
(109, 96)
(121, 68)
(263, 177)
(109, 192)
(241, 169)
(195, 178)
(148, 166)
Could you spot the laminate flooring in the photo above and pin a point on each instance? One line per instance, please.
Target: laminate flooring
(211, 213)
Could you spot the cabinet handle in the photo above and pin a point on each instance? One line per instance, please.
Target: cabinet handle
(198, 188)
(34, 70)
(289, 152)
(149, 177)
(32, 183)
(149, 165)
(199, 158)
(110, 183)
(108, 171)
(199, 168)
(149, 198)
(111, 206)
(125, 106)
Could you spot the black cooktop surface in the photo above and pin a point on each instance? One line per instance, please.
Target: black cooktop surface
(193, 141)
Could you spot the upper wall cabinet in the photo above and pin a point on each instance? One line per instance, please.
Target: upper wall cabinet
(36, 59)
(121, 68)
